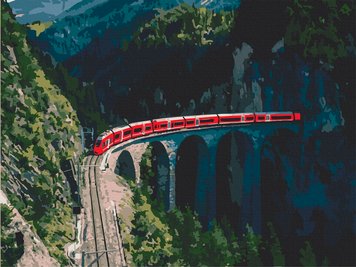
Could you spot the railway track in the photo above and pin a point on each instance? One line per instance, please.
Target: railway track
(99, 257)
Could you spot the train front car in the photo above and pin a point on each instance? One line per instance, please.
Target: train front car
(103, 142)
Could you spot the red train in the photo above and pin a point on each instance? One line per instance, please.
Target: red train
(121, 134)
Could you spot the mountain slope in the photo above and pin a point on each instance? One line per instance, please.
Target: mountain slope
(40, 10)
(39, 130)
(114, 20)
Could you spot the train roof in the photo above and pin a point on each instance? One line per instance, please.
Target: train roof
(206, 116)
(169, 118)
(234, 114)
(104, 134)
(190, 117)
(139, 123)
(285, 112)
(119, 128)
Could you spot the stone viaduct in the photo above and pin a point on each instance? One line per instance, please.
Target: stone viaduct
(217, 171)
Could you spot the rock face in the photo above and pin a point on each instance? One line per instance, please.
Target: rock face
(35, 252)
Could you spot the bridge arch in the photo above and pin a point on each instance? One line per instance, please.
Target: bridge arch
(233, 152)
(159, 182)
(125, 165)
(280, 162)
(192, 176)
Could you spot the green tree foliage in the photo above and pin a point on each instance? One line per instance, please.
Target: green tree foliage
(152, 244)
(307, 256)
(10, 250)
(275, 247)
(251, 246)
(39, 128)
(80, 95)
(176, 237)
(184, 25)
(314, 27)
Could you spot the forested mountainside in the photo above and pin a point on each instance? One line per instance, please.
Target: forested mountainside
(39, 129)
(112, 22)
(188, 60)
(168, 57)
(132, 62)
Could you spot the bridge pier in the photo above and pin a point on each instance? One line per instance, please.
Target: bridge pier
(251, 196)
(211, 185)
(172, 180)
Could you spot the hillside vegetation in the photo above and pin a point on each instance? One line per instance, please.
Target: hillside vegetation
(177, 237)
(185, 25)
(39, 129)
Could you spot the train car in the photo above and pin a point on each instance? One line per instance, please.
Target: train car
(160, 125)
(190, 121)
(126, 133)
(141, 128)
(117, 132)
(261, 117)
(176, 123)
(276, 116)
(137, 129)
(103, 142)
(147, 127)
(233, 118)
(206, 120)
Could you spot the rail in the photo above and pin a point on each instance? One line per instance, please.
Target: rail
(100, 244)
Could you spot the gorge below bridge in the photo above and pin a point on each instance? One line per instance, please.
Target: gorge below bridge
(232, 171)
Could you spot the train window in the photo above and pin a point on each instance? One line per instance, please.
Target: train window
(148, 128)
(206, 120)
(127, 133)
(281, 117)
(117, 136)
(98, 142)
(261, 117)
(106, 143)
(230, 119)
(179, 123)
(190, 122)
(248, 118)
(137, 130)
(163, 125)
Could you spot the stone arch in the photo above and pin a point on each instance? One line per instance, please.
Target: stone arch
(192, 176)
(125, 165)
(231, 162)
(280, 161)
(160, 166)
